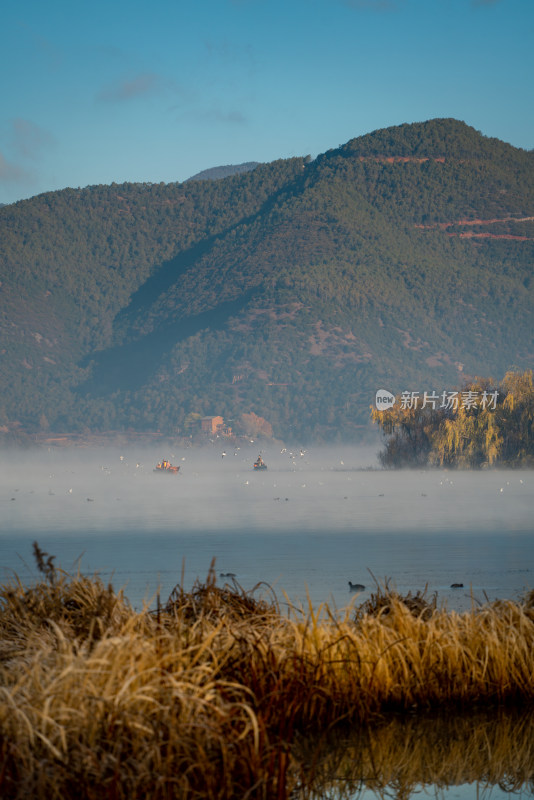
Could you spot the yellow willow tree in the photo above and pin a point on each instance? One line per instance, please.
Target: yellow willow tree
(516, 417)
(469, 439)
(469, 436)
(408, 432)
(487, 426)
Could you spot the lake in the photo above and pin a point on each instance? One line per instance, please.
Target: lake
(311, 522)
(302, 529)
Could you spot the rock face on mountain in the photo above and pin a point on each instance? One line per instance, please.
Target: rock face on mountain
(401, 260)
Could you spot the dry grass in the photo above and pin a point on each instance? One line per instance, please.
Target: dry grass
(382, 600)
(209, 696)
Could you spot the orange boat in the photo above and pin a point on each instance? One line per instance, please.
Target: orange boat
(166, 466)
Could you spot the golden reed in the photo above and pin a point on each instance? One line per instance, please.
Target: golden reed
(218, 694)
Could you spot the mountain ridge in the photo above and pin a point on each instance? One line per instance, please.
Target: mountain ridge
(293, 290)
(216, 173)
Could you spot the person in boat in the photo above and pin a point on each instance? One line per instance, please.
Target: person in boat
(166, 466)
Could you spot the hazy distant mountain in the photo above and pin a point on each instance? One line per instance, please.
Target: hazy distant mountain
(216, 173)
(401, 261)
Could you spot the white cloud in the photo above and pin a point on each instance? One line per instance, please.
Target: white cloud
(232, 117)
(29, 140)
(12, 173)
(146, 84)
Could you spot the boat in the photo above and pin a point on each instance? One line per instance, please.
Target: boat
(260, 463)
(166, 466)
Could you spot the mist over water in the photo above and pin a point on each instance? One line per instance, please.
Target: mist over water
(311, 522)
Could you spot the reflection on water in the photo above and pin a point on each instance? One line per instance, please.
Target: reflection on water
(484, 755)
(307, 526)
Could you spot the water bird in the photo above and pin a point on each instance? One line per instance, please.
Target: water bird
(227, 575)
(457, 586)
(356, 587)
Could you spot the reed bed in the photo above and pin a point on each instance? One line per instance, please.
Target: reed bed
(212, 695)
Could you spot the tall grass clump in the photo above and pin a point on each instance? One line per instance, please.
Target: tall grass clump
(214, 694)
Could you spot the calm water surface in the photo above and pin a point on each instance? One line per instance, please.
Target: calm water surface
(305, 527)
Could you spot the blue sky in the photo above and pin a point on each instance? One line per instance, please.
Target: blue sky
(157, 91)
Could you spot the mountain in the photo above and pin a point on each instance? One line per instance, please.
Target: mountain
(216, 173)
(401, 260)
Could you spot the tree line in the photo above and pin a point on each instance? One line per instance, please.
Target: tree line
(481, 425)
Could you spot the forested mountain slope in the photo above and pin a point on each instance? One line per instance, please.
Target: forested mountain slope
(401, 260)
